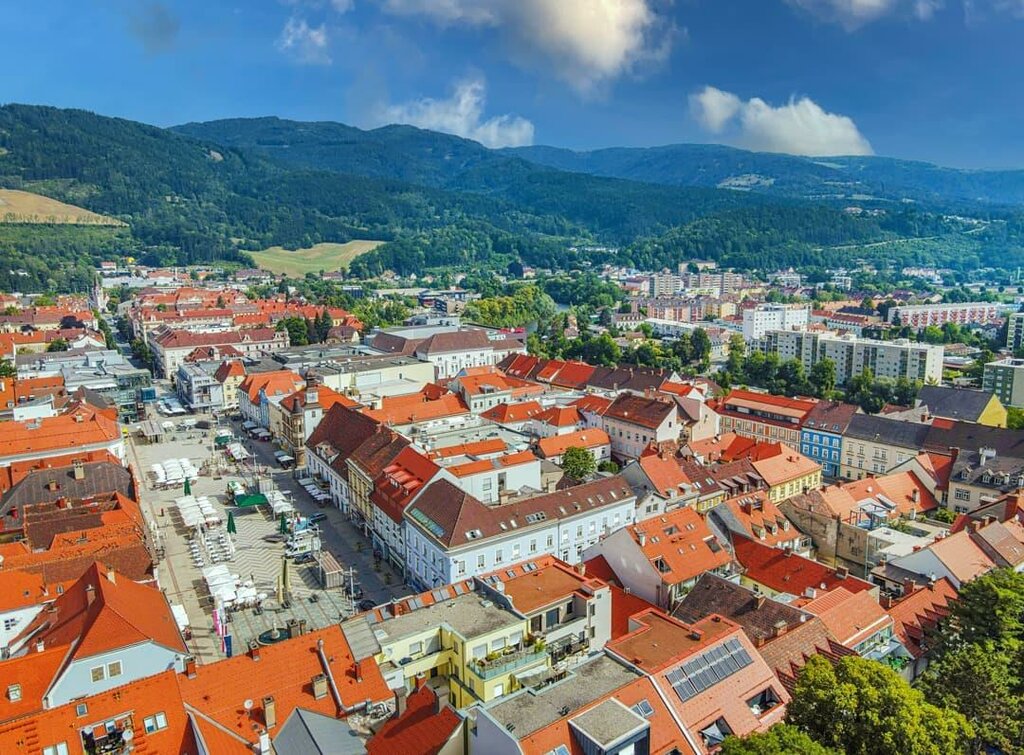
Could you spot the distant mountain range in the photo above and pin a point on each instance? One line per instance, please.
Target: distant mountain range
(208, 191)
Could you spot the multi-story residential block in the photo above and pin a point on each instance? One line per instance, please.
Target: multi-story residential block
(763, 417)
(79, 433)
(877, 445)
(450, 535)
(370, 378)
(821, 437)
(257, 391)
(596, 442)
(635, 422)
(397, 486)
(365, 463)
(764, 317)
(199, 389)
(1005, 379)
(1015, 331)
(920, 316)
(853, 356)
(171, 347)
(665, 284)
(451, 349)
(230, 375)
(484, 388)
(340, 432)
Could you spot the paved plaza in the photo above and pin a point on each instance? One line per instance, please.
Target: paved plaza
(254, 559)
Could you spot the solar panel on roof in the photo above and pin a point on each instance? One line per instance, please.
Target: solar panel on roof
(459, 588)
(708, 668)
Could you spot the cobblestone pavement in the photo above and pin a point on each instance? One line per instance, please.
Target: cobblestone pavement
(254, 558)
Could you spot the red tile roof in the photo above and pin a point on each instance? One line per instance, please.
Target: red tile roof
(593, 404)
(559, 444)
(511, 413)
(783, 571)
(640, 410)
(918, 613)
(680, 545)
(421, 730)
(560, 416)
(84, 425)
(404, 410)
(850, 617)
(273, 383)
(401, 481)
(664, 474)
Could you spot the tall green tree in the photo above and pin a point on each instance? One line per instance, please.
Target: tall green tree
(781, 739)
(982, 682)
(578, 463)
(823, 377)
(862, 707)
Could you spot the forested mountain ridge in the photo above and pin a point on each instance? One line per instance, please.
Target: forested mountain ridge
(711, 165)
(213, 191)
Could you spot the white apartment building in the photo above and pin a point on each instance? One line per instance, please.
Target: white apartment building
(665, 284)
(765, 317)
(450, 535)
(922, 315)
(853, 355)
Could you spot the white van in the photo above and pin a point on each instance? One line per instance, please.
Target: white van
(306, 545)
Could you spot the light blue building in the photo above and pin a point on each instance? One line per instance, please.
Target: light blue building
(821, 437)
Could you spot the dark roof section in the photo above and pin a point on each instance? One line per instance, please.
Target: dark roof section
(343, 429)
(830, 416)
(892, 432)
(640, 410)
(99, 477)
(457, 340)
(762, 618)
(944, 435)
(953, 403)
(453, 517)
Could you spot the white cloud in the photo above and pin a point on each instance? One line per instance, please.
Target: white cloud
(462, 114)
(800, 127)
(587, 43)
(342, 6)
(715, 108)
(307, 43)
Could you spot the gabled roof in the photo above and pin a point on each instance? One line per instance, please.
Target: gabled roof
(454, 341)
(274, 383)
(229, 368)
(573, 375)
(892, 432)
(401, 481)
(783, 571)
(756, 516)
(82, 426)
(343, 430)
(404, 410)
(511, 413)
(830, 417)
(647, 412)
(560, 416)
(557, 445)
(375, 453)
(954, 403)
(593, 404)
(98, 477)
(785, 467)
(762, 618)
(664, 475)
(850, 617)
(679, 545)
(421, 729)
(454, 518)
(102, 612)
(787, 654)
(919, 611)
(284, 671)
(945, 434)
(964, 559)
(326, 398)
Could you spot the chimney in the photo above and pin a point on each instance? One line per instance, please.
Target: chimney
(319, 687)
(761, 600)
(269, 711)
(52, 486)
(909, 585)
(780, 628)
(551, 486)
(190, 667)
(915, 495)
(111, 576)
(254, 650)
(642, 538)
(79, 470)
(582, 569)
(401, 701)
(90, 594)
(696, 634)
(787, 552)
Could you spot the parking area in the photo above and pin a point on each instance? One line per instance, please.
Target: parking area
(257, 568)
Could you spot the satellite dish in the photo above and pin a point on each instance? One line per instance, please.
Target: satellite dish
(247, 704)
(127, 735)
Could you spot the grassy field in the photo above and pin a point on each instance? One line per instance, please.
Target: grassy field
(327, 256)
(25, 207)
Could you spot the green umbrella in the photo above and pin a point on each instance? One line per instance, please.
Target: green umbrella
(188, 487)
(232, 529)
(284, 525)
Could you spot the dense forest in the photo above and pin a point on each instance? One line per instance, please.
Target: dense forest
(215, 191)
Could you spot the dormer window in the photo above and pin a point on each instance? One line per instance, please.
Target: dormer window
(14, 693)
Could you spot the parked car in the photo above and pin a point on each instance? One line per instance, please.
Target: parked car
(304, 558)
(276, 537)
(318, 517)
(366, 605)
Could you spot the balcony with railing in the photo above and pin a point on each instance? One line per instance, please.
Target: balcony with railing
(506, 662)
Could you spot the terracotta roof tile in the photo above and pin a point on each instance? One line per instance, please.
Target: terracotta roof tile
(420, 729)
(557, 445)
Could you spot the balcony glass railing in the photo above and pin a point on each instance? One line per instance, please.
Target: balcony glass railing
(507, 663)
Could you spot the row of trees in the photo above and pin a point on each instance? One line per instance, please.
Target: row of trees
(303, 331)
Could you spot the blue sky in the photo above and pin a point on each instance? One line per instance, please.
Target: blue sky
(938, 80)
